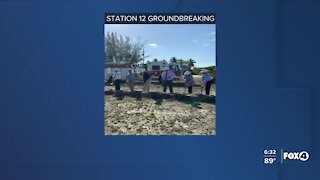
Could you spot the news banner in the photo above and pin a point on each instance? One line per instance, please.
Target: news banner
(270, 156)
(159, 18)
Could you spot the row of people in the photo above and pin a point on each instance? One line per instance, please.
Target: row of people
(206, 81)
(166, 78)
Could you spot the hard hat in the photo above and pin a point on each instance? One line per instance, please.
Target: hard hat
(187, 73)
(204, 71)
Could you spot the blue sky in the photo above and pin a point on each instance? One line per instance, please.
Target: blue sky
(163, 41)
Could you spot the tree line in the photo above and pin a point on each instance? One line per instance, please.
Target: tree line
(190, 62)
(121, 49)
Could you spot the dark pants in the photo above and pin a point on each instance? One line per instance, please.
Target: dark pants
(117, 84)
(208, 85)
(167, 83)
(190, 89)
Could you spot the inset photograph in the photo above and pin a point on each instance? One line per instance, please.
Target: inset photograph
(160, 79)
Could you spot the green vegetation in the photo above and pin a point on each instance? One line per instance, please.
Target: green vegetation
(121, 49)
(211, 69)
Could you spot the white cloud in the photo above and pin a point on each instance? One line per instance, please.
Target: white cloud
(153, 45)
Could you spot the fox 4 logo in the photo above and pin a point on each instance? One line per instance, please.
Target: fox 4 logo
(302, 156)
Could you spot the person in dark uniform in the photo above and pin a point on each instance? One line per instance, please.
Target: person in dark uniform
(109, 81)
(146, 81)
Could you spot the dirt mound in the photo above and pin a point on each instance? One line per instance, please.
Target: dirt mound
(159, 113)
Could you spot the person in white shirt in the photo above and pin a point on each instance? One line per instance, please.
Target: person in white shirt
(117, 79)
(167, 76)
(206, 80)
(189, 81)
(130, 78)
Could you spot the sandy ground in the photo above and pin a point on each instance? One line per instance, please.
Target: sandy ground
(158, 113)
